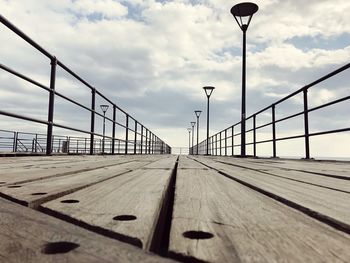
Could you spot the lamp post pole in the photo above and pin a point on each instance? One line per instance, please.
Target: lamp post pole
(198, 113)
(208, 91)
(104, 108)
(192, 124)
(240, 12)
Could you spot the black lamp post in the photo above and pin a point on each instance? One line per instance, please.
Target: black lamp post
(243, 14)
(208, 91)
(193, 123)
(189, 139)
(198, 113)
(104, 108)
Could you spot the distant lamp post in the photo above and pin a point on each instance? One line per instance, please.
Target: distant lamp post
(104, 108)
(243, 14)
(193, 123)
(189, 139)
(198, 113)
(208, 91)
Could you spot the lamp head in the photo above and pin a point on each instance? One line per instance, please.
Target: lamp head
(104, 108)
(198, 113)
(243, 14)
(193, 123)
(189, 130)
(208, 90)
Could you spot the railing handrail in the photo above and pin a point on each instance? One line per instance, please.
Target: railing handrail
(51, 123)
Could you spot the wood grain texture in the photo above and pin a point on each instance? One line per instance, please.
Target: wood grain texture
(332, 168)
(319, 180)
(330, 204)
(246, 225)
(138, 194)
(34, 193)
(24, 233)
(40, 171)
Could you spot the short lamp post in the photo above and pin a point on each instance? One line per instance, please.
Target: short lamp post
(243, 14)
(198, 113)
(208, 91)
(189, 139)
(193, 123)
(104, 108)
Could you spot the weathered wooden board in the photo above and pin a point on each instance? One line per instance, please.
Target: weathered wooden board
(22, 175)
(33, 237)
(332, 168)
(167, 162)
(34, 193)
(127, 206)
(330, 204)
(232, 223)
(319, 180)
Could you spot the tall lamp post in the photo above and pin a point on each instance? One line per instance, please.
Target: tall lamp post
(208, 91)
(243, 14)
(198, 113)
(189, 139)
(193, 123)
(104, 108)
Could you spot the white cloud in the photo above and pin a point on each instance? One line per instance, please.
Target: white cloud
(177, 47)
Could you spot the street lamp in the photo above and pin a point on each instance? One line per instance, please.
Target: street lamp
(189, 139)
(243, 14)
(208, 91)
(198, 113)
(104, 108)
(192, 124)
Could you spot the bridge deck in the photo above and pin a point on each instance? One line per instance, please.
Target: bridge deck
(196, 208)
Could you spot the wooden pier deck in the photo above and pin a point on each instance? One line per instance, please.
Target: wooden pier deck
(166, 208)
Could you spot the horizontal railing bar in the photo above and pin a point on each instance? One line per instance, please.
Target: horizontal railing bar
(328, 132)
(9, 70)
(9, 114)
(329, 104)
(24, 36)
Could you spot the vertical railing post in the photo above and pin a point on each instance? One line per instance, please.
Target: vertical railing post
(254, 135)
(14, 144)
(216, 144)
(146, 142)
(274, 130)
(220, 143)
(126, 134)
(135, 138)
(306, 125)
(113, 127)
(36, 142)
(226, 142)
(153, 138)
(233, 140)
(141, 143)
(149, 142)
(92, 129)
(51, 106)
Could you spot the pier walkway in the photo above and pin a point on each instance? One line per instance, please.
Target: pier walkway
(164, 208)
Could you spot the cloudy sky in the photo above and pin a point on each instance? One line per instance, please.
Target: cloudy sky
(153, 58)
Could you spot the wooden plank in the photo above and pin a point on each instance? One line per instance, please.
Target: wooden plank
(19, 176)
(30, 236)
(34, 193)
(186, 163)
(332, 168)
(319, 180)
(165, 163)
(232, 223)
(126, 207)
(330, 205)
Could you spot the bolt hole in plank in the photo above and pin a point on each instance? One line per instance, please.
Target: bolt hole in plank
(125, 218)
(70, 201)
(197, 235)
(14, 186)
(59, 247)
(39, 193)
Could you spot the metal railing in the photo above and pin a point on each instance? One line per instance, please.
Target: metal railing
(223, 142)
(138, 138)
